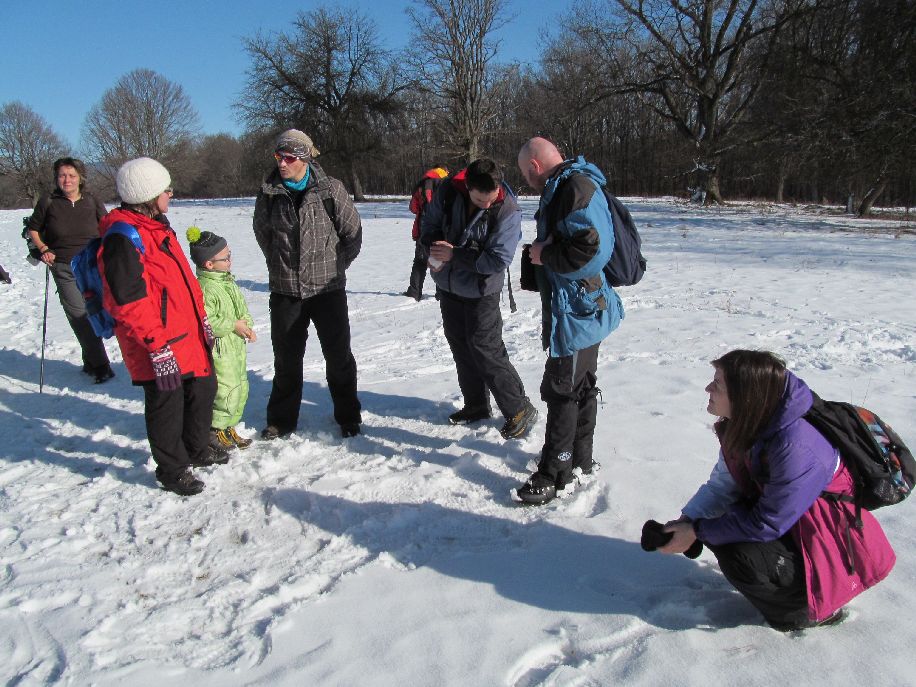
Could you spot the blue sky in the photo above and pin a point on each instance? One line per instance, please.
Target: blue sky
(59, 57)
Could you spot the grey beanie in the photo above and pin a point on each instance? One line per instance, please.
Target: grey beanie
(204, 245)
(141, 180)
(296, 143)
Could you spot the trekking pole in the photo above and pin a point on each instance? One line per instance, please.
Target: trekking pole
(44, 332)
(512, 306)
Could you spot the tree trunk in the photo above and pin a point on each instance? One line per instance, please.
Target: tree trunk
(356, 184)
(781, 175)
(710, 174)
(872, 196)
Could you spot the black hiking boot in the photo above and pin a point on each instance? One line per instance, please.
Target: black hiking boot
(537, 491)
(272, 432)
(102, 374)
(517, 425)
(467, 415)
(349, 429)
(838, 616)
(183, 483)
(215, 455)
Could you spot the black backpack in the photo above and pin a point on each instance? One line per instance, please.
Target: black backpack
(882, 467)
(627, 264)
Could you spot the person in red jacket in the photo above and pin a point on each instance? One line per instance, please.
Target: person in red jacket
(422, 195)
(160, 324)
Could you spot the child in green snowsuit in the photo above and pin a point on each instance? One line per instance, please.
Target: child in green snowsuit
(232, 327)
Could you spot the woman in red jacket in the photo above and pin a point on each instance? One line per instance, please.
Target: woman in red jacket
(160, 324)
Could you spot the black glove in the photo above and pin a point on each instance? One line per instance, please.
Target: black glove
(654, 536)
(165, 367)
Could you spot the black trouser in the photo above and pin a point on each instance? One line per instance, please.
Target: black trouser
(771, 575)
(570, 392)
(71, 298)
(289, 322)
(417, 272)
(178, 422)
(474, 330)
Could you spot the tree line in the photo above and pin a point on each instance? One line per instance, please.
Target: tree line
(788, 100)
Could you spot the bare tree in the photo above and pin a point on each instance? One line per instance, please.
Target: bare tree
(696, 62)
(143, 114)
(28, 147)
(330, 77)
(455, 49)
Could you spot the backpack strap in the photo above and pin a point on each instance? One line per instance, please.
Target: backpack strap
(128, 231)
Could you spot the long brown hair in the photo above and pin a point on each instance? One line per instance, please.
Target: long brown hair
(755, 382)
(148, 209)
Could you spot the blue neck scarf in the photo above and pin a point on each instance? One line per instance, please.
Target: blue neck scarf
(298, 185)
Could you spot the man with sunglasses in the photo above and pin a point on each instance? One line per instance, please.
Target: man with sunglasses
(310, 232)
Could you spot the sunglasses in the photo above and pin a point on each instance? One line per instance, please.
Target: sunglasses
(288, 159)
(170, 191)
(228, 258)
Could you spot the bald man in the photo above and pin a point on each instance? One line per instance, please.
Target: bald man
(575, 238)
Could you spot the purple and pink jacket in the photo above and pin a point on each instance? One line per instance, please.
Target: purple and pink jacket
(776, 488)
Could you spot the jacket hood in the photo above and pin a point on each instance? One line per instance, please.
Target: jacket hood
(567, 167)
(133, 218)
(459, 182)
(796, 401)
(214, 275)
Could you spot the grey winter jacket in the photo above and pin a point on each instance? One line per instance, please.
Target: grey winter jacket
(307, 254)
(483, 246)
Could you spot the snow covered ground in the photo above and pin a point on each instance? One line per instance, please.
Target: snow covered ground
(399, 557)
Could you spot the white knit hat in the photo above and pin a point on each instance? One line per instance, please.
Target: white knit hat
(142, 180)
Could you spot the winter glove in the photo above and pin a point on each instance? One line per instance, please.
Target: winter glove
(208, 333)
(168, 374)
(654, 536)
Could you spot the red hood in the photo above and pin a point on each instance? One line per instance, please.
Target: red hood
(460, 184)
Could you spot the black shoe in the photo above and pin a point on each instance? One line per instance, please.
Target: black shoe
(272, 432)
(537, 490)
(466, 415)
(183, 482)
(103, 374)
(349, 429)
(591, 468)
(215, 455)
(835, 619)
(517, 425)
(415, 296)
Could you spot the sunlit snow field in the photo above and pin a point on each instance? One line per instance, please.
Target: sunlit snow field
(399, 557)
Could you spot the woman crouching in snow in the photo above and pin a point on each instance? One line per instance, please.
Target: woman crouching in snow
(786, 549)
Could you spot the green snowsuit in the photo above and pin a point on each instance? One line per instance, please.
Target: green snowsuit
(225, 305)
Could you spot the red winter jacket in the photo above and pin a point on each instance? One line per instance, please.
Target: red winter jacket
(153, 296)
(422, 195)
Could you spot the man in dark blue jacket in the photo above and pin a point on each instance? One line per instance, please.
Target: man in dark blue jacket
(470, 232)
(575, 238)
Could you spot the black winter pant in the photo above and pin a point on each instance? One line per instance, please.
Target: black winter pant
(771, 575)
(178, 422)
(289, 322)
(474, 330)
(417, 272)
(569, 388)
(71, 298)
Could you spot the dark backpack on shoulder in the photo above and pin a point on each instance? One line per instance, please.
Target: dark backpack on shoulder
(85, 266)
(882, 467)
(627, 264)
